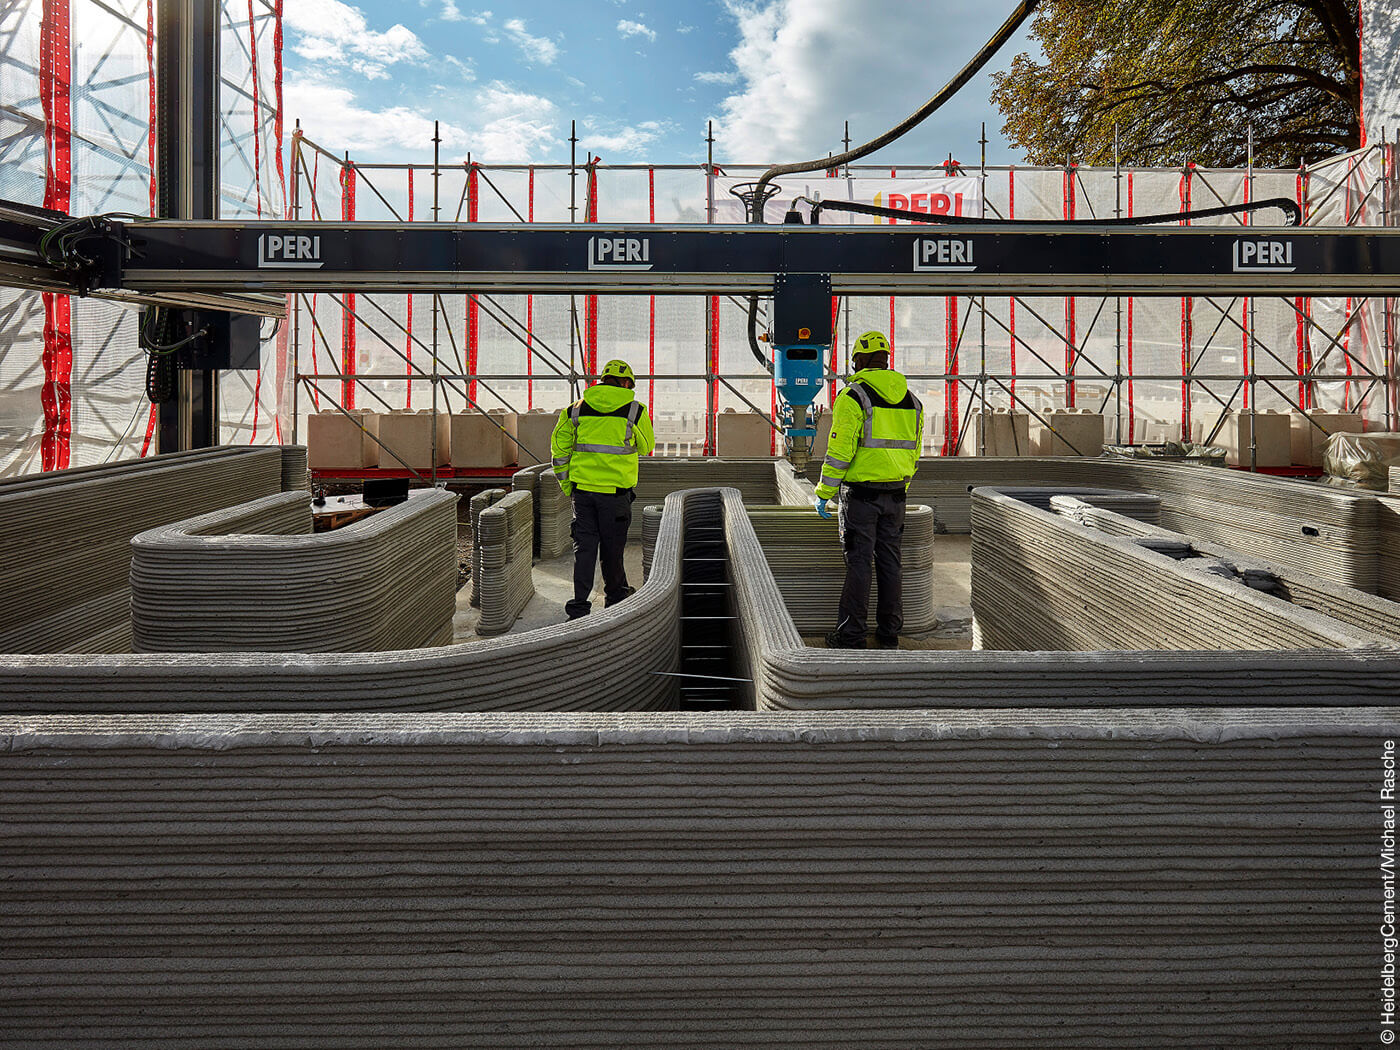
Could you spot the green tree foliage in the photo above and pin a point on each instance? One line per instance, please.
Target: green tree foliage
(1186, 79)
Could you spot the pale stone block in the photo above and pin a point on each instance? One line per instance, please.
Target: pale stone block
(408, 439)
(1078, 432)
(335, 442)
(482, 441)
(1007, 434)
(1309, 443)
(1273, 440)
(743, 435)
(533, 430)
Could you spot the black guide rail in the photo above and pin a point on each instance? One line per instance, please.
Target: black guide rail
(1038, 259)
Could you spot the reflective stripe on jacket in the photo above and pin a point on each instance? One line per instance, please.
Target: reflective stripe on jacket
(598, 438)
(876, 432)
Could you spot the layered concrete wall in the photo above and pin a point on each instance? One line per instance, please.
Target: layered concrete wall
(1041, 581)
(254, 578)
(962, 879)
(67, 534)
(504, 533)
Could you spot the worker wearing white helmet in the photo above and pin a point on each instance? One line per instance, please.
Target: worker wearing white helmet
(871, 456)
(595, 446)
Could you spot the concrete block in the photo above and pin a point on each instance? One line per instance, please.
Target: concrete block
(1077, 432)
(1309, 443)
(744, 435)
(481, 440)
(1273, 439)
(335, 441)
(823, 435)
(533, 430)
(410, 437)
(1007, 434)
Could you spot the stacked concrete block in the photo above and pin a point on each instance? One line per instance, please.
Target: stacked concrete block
(415, 440)
(804, 554)
(1070, 433)
(1000, 432)
(1388, 542)
(532, 434)
(1309, 439)
(337, 440)
(503, 533)
(254, 578)
(659, 476)
(67, 539)
(483, 440)
(1271, 433)
(744, 434)
(479, 502)
(554, 512)
(1041, 582)
(823, 435)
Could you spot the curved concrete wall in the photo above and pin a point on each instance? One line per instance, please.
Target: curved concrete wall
(67, 537)
(637, 639)
(254, 578)
(788, 675)
(873, 880)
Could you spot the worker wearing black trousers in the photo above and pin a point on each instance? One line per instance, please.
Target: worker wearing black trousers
(871, 457)
(595, 446)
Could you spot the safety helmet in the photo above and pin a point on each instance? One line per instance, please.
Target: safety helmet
(618, 368)
(871, 343)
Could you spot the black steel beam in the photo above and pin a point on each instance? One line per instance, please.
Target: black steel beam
(1044, 260)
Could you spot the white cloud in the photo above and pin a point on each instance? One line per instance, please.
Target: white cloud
(536, 49)
(332, 117)
(512, 125)
(631, 140)
(332, 33)
(451, 12)
(628, 28)
(805, 66)
(505, 125)
(731, 77)
(683, 29)
(480, 18)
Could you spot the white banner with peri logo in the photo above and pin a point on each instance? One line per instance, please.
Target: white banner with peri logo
(960, 195)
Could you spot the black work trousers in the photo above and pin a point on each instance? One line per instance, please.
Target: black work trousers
(872, 529)
(601, 521)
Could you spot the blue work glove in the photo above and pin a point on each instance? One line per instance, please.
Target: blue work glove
(820, 505)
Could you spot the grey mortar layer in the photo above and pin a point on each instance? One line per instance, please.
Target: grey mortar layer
(254, 577)
(1173, 877)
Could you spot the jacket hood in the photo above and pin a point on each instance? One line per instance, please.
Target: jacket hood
(886, 382)
(607, 398)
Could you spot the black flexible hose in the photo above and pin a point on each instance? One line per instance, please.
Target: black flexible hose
(1289, 208)
(992, 46)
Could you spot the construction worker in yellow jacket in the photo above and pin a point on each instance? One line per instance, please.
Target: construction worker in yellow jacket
(876, 433)
(595, 446)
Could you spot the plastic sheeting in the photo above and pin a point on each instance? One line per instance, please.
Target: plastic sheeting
(1128, 358)
(75, 134)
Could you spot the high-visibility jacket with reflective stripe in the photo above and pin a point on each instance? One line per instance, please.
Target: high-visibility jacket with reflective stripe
(598, 438)
(877, 429)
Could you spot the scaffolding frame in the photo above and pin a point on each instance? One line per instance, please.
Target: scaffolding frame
(1067, 362)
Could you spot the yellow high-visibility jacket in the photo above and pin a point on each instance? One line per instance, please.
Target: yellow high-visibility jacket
(598, 438)
(877, 428)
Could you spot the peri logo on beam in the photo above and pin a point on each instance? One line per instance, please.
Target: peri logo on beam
(290, 251)
(619, 253)
(1253, 255)
(943, 255)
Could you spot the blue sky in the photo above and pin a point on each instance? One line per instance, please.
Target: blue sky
(778, 77)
